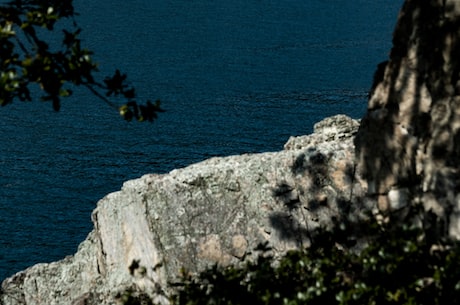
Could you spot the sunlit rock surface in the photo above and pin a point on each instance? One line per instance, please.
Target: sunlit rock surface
(216, 211)
(219, 210)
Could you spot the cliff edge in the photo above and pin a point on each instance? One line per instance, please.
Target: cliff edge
(216, 211)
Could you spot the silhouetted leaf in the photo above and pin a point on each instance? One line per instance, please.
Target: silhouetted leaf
(28, 28)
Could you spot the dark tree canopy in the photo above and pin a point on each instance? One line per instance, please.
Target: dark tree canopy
(40, 45)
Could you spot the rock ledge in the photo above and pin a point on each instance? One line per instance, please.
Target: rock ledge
(215, 211)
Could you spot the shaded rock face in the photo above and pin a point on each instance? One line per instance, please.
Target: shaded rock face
(216, 211)
(408, 145)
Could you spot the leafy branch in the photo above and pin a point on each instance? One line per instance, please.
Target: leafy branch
(26, 58)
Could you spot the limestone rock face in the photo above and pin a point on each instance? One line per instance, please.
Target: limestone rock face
(216, 211)
(219, 210)
(408, 144)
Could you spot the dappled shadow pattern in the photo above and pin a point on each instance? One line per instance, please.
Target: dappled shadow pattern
(311, 200)
(408, 144)
(408, 137)
(289, 228)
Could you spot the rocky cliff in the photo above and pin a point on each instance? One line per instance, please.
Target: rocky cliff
(408, 144)
(216, 211)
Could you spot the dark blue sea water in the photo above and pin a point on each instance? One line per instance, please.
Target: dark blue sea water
(235, 77)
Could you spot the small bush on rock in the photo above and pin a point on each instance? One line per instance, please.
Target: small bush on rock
(400, 264)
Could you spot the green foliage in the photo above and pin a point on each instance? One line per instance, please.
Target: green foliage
(30, 55)
(398, 266)
(134, 297)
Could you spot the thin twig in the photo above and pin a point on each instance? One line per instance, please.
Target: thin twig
(96, 93)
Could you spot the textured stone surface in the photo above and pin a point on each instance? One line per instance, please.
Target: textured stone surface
(336, 128)
(408, 144)
(216, 211)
